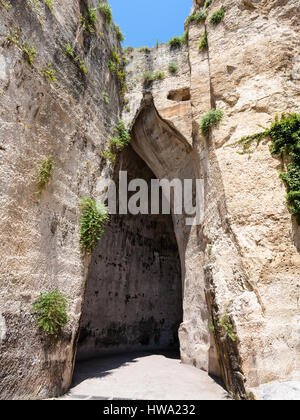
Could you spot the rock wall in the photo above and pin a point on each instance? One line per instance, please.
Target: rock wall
(247, 246)
(133, 298)
(39, 240)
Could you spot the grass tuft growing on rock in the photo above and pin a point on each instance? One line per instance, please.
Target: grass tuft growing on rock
(197, 17)
(211, 119)
(203, 41)
(106, 12)
(51, 308)
(44, 174)
(93, 217)
(217, 17)
(29, 53)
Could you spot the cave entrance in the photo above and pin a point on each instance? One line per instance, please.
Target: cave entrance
(133, 297)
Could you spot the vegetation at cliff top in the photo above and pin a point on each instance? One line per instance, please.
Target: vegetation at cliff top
(93, 217)
(51, 308)
(217, 17)
(106, 12)
(49, 73)
(211, 119)
(197, 17)
(44, 174)
(285, 136)
(49, 3)
(177, 41)
(143, 49)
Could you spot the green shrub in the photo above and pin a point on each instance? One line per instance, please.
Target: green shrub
(197, 17)
(112, 66)
(106, 12)
(122, 137)
(45, 173)
(173, 67)
(49, 73)
(203, 41)
(217, 17)
(29, 53)
(175, 42)
(211, 119)
(82, 65)
(92, 220)
(159, 75)
(88, 21)
(144, 49)
(51, 308)
(127, 108)
(119, 33)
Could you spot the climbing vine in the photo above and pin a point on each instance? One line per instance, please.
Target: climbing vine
(285, 136)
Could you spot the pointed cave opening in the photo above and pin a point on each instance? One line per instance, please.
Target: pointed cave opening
(133, 297)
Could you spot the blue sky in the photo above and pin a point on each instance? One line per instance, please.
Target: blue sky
(143, 22)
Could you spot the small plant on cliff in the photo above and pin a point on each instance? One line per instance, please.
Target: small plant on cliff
(119, 33)
(173, 68)
(105, 97)
(49, 73)
(69, 50)
(45, 173)
(226, 324)
(88, 21)
(148, 77)
(211, 119)
(285, 136)
(82, 64)
(159, 75)
(106, 12)
(207, 4)
(217, 17)
(144, 49)
(29, 53)
(50, 4)
(93, 217)
(51, 308)
(13, 36)
(5, 4)
(197, 17)
(203, 41)
(121, 138)
(175, 42)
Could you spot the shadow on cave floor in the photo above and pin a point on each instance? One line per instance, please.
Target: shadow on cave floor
(105, 365)
(148, 375)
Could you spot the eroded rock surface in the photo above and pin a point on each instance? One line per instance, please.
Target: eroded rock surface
(241, 263)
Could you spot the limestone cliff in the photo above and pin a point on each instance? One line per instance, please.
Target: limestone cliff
(240, 266)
